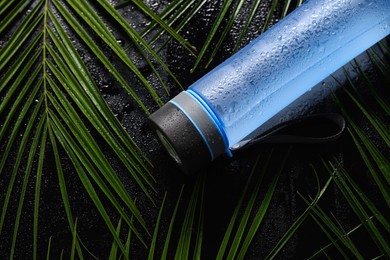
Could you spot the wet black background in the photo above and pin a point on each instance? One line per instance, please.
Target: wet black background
(225, 178)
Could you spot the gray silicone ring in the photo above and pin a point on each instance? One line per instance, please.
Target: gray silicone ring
(201, 121)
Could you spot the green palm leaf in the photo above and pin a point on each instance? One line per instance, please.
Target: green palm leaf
(46, 107)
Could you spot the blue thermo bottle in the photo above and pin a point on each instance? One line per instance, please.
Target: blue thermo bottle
(242, 93)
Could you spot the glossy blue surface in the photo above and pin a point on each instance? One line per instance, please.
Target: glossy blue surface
(288, 60)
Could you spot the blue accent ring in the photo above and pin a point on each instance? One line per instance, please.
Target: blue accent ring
(217, 122)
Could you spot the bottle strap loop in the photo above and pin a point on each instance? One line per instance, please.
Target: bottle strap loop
(314, 129)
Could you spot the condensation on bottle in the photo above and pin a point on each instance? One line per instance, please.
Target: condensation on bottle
(289, 59)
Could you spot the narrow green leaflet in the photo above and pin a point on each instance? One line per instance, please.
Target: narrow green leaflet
(225, 16)
(377, 163)
(12, 14)
(190, 237)
(24, 30)
(373, 119)
(243, 222)
(233, 219)
(164, 25)
(63, 190)
(269, 15)
(226, 30)
(383, 66)
(48, 249)
(87, 39)
(254, 9)
(114, 246)
(214, 29)
(152, 248)
(361, 213)
(295, 226)
(33, 149)
(255, 6)
(184, 244)
(37, 192)
(93, 20)
(171, 226)
(378, 97)
(367, 202)
(322, 219)
(137, 40)
(74, 239)
(26, 135)
(182, 16)
(261, 211)
(200, 225)
(381, 177)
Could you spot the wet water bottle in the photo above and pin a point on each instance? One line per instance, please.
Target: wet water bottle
(253, 85)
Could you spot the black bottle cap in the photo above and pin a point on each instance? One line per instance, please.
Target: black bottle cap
(188, 133)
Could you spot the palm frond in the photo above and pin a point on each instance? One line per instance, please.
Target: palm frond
(47, 105)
